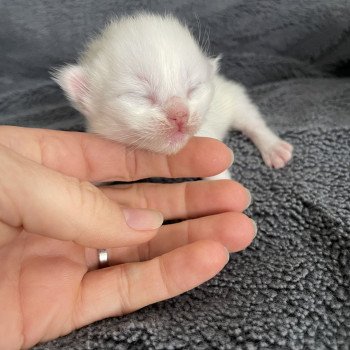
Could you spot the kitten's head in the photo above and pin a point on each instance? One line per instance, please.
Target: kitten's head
(144, 82)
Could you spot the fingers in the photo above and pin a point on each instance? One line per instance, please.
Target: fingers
(125, 288)
(89, 157)
(233, 230)
(183, 200)
(61, 207)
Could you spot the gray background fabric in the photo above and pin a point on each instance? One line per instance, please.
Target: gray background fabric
(291, 288)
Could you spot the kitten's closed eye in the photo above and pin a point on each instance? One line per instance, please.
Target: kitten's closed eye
(150, 98)
(194, 89)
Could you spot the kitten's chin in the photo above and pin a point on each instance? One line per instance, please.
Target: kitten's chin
(176, 139)
(170, 145)
(177, 142)
(169, 142)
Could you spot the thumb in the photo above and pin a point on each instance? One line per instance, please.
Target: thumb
(45, 202)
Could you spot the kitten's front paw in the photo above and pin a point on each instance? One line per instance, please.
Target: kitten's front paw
(278, 154)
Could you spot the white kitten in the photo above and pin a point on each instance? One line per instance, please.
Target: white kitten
(146, 82)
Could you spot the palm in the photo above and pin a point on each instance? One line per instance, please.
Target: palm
(42, 284)
(50, 281)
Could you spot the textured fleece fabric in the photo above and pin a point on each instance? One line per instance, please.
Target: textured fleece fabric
(291, 288)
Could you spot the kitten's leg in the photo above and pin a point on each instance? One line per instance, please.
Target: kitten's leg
(275, 152)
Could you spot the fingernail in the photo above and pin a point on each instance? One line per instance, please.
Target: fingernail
(250, 198)
(232, 156)
(143, 219)
(255, 227)
(228, 255)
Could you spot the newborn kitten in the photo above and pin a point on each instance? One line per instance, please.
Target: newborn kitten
(146, 82)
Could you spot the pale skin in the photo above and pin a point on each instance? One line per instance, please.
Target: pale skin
(52, 219)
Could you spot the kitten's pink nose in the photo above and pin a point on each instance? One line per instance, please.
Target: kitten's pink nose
(177, 112)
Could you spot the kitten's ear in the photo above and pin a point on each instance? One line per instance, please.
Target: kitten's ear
(215, 64)
(73, 81)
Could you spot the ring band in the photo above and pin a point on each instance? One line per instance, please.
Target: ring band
(102, 258)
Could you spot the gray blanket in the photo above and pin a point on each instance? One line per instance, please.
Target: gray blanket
(291, 288)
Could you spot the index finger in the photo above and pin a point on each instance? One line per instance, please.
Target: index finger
(92, 158)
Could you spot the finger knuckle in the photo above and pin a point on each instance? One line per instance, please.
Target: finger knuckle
(124, 290)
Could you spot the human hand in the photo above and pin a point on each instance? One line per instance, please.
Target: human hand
(52, 219)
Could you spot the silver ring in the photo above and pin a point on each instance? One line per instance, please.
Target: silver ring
(102, 255)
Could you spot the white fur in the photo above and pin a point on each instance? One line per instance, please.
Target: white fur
(126, 76)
